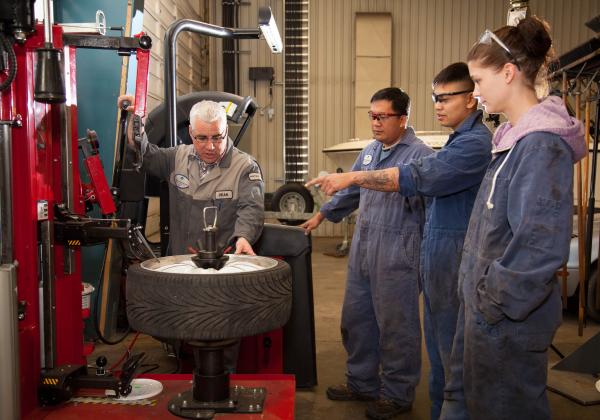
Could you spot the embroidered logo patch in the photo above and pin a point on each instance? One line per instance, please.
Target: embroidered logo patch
(224, 194)
(367, 159)
(255, 176)
(182, 182)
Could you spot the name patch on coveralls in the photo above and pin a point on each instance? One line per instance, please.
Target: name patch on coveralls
(182, 181)
(254, 176)
(224, 194)
(367, 159)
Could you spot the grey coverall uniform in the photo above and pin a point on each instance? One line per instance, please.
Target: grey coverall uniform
(235, 186)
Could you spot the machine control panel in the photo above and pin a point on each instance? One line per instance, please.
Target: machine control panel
(42, 210)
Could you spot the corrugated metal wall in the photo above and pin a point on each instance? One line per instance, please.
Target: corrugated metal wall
(427, 35)
(192, 51)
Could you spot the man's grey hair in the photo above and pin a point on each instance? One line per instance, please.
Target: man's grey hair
(208, 111)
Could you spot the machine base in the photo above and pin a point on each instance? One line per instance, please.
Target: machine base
(241, 400)
(278, 404)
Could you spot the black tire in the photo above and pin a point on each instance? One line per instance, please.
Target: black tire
(590, 304)
(208, 306)
(292, 192)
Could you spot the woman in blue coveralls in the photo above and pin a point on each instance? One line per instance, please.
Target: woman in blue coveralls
(518, 235)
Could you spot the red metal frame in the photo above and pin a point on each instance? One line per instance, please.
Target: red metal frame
(98, 188)
(36, 176)
(261, 354)
(142, 74)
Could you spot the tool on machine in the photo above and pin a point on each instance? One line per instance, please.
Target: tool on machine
(210, 257)
(74, 230)
(137, 123)
(99, 26)
(60, 384)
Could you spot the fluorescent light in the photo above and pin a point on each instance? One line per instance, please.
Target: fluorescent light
(268, 27)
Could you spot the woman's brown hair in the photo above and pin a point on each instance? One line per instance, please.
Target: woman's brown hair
(529, 43)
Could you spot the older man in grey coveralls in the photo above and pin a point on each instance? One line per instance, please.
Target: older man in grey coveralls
(208, 172)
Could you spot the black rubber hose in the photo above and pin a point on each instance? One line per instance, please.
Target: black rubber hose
(6, 44)
(95, 315)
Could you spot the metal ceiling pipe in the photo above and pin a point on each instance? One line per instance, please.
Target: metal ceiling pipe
(170, 75)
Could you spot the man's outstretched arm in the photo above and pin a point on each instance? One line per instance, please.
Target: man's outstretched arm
(381, 180)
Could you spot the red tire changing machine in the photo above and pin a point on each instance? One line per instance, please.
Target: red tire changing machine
(42, 209)
(43, 224)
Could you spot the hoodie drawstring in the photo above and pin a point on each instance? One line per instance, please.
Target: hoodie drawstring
(489, 203)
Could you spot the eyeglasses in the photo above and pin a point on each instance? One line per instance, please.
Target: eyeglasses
(488, 36)
(441, 97)
(214, 139)
(381, 116)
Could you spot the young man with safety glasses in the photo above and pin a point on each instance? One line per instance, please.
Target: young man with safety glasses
(451, 177)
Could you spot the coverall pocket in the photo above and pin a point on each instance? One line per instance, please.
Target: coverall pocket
(410, 250)
(489, 311)
(398, 252)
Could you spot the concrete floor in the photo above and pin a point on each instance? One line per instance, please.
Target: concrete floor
(329, 275)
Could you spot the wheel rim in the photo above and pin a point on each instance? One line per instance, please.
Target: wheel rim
(183, 264)
(292, 202)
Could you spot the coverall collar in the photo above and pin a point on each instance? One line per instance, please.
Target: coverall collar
(467, 125)
(408, 138)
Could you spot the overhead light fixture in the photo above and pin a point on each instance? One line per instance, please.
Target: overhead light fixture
(268, 27)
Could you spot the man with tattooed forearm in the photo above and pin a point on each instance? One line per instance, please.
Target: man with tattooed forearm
(381, 330)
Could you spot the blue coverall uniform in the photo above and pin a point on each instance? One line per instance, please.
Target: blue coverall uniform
(518, 237)
(380, 315)
(451, 177)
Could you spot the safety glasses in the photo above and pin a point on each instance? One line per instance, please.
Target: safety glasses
(441, 97)
(488, 36)
(214, 139)
(381, 116)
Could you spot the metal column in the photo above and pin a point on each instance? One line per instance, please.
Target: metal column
(9, 340)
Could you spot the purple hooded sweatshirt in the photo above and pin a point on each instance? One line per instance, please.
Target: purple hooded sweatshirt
(550, 116)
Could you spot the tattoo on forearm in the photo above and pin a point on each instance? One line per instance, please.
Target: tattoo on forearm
(382, 180)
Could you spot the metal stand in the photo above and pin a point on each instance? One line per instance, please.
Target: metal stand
(555, 350)
(210, 393)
